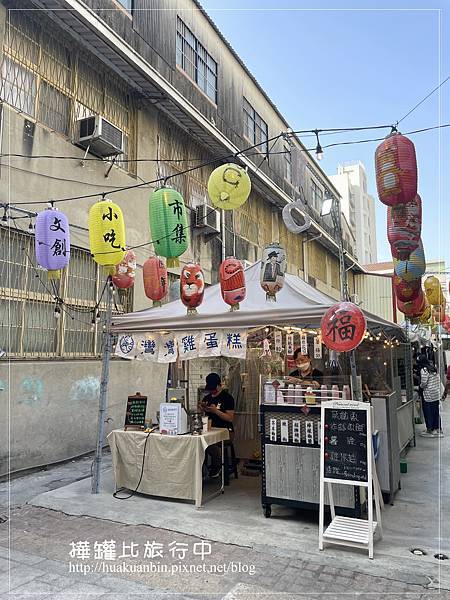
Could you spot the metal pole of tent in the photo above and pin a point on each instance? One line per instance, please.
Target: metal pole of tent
(95, 483)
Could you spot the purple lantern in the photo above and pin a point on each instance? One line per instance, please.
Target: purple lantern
(52, 241)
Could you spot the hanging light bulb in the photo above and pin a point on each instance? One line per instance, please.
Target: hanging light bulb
(93, 321)
(5, 213)
(30, 225)
(57, 312)
(97, 316)
(319, 151)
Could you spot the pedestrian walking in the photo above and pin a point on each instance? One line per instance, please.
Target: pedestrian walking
(432, 392)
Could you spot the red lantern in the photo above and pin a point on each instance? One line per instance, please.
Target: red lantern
(125, 271)
(404, 225)
(414, 308)
(232, 282)
(155, 279)
(446, 323)
(396, 170)
(192, 286)
(406, 291)
(343, 327)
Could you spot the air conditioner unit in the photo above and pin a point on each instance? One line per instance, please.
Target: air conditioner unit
(207, 219)
(101, 137)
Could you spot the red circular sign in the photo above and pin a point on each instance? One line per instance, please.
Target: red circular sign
(343, 327)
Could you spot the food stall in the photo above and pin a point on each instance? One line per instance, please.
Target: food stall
(249, 347)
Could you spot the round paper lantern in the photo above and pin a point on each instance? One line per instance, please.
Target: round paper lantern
(414, 308)
(125, 271)
(106, 233)
(446, 324)
(155, 279)
(343, 327)
(412, 268)
(229, 186)
(396, 170)
(406, 291)
(52, 241)
(192, 286)
(433, 291)
(273, 267)
(404, 225)
(232, 282)
(168, 224)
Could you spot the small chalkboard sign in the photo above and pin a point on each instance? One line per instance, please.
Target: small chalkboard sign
(345, 442)
(135, 413)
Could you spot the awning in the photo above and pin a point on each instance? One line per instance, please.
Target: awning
(298, 304)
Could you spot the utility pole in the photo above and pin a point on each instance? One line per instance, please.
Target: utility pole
(103, 396)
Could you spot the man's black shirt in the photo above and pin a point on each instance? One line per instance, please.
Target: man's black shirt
(224, 402)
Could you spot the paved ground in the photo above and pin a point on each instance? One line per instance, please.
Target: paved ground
(38, 560)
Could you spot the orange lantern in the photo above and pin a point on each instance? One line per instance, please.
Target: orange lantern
(404, 225)
(396, 170)
(192, 286)
(155, 279)
(232, 282)
(406, 291)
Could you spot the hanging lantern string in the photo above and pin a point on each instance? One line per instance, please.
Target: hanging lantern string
(217, 159)
(423, 100)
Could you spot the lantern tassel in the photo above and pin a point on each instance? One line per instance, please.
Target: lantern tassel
(173, 262)
(271, 297)
(54, 274)
(156, 303)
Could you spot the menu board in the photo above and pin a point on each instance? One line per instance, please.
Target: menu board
(345, 443)
(135, 414)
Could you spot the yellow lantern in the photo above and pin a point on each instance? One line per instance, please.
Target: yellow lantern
(229, 186)
(433, 291)
(106, 233)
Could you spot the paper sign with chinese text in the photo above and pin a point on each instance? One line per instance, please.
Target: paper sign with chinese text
(210, 343)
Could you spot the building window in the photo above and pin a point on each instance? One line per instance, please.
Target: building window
(56, 84)
(28, 328)
(288, 163)
(255, 129)
(316, 196)
(195, 61)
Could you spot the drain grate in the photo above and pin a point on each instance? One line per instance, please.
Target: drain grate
(418, 552)
(441, 556)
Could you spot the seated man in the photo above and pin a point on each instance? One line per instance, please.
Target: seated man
(218, 405)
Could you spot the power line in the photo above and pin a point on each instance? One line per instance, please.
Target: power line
(165, 179)
(423, 100)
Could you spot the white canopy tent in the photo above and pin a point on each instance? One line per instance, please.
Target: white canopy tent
(298, 304)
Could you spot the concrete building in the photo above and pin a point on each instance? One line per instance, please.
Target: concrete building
(170, 93)
(359, 208)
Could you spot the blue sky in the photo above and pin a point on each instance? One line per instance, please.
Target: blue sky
(355, 67)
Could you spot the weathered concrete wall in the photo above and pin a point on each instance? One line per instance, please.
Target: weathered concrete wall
(49, 408)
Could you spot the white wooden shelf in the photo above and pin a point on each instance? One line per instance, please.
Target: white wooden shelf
(349, 530)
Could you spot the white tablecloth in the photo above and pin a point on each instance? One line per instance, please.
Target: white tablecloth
(173, 463)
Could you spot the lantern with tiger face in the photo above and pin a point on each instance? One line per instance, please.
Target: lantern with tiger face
(232, 282)
(192, 286)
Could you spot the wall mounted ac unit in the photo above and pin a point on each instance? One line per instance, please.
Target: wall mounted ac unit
(207, 219)
(100, 136)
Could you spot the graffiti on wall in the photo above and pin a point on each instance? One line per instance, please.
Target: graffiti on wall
(31, 391)
(85, 390)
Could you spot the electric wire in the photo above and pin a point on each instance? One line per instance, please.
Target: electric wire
(423, 100)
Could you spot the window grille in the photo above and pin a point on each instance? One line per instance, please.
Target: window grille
(57, 83)
(195, 61)
(28, 328)
(255, 128)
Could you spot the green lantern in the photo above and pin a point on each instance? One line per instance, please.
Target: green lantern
(168, 224)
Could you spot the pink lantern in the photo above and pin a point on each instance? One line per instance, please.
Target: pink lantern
(192, 286)
(343, 327)
(155, 279)
(396, 170)
(232, 282)
(125, 271)
(52, 241)
(404, 225)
